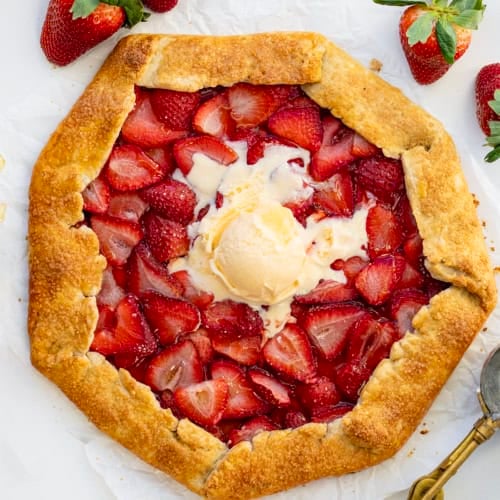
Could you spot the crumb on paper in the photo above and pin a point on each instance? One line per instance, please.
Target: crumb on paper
(376, 65)
(496, 269)
(492, 249)
(424, 432)
(411, 453)
(485, 329)
(483, 223)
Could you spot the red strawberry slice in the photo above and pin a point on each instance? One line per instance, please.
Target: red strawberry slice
(328, 326)
(380, 278)
(176, 366)
(300, 101)
(106, 319)
(332, 127)
(250, 429)
(382, 176)
(169, 318)
(213, 117)
(164, 157)
(351, 267)
(361, 148)
(413, 248)
(245, 350)
(250, 104)
(212, 147)
(294, 419)
(229, 319)
(175, 109)
(199, 298)
(283, 93)
(127, 206)
(269, 388)
(171, 199)
(371, 341)
(350, 379)
(201, 341)
(326, 292)
(147, 274)
(335, 196)
(131, 334)
(301, 209)
(325, 414)
(242, 401)
(110, 293)
(117, 237)
(411, 277)
(203, 403)
(129, 169)
(383, 231)
(96, 196)
(404, 305)
(143, 128)
(133, 363)
(318, 394)
(258, 145)
(289, 352)
(167, 401)
(299, 125)
(405, 216)
(332, 157)
(166, 238)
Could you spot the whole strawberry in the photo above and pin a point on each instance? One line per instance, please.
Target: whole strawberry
(160, 5)
(72, 27)
(435, 33)
(488, 107)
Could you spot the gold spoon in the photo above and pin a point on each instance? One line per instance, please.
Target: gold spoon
(429, 487)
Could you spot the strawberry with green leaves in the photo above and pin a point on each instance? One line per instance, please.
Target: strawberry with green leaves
(436, 33)
(72, 27)
(488, 107)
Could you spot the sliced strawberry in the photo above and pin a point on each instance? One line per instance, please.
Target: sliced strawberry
(147, 274)
(244, 350)
(166, 238)
(325, 414)
(331, 128)
(242, 401)
(133, 363)
(143, 128)
(404, 305)
(250, 105)
(331, 158)
(131, 334)
(129, 168)
(250, 429)
(301, 209)
(411, 277)
(320, 393)
(300, 101)
(127, 206)
(176, 366)
(203, 403)
(404, 213)
(350, 379)
(289, 352)
(413, 248)
(175, 109)
(371, 341)
(117, 237)
(164, 157)
(328, 326)
(171, 199)
(199, 298)
(257, 147)
(110, 293)
(299, 125)
(106, 319)
(351, 267)
(283, 93)
(201, 341)
(269, 388)
(169, 318)
(361, 148)
(335, 196)
(326, 292)
(213, 117)
(212, 147)
(382, 176)
(294, 419)
(167, 401)
(380, 278)
(383, 231)
(229, 319)
(96, 196)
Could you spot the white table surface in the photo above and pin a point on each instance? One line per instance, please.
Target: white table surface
(48, 450)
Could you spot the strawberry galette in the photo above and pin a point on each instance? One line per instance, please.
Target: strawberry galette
(253, 262)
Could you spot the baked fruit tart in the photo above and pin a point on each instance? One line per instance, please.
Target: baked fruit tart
(253, 262)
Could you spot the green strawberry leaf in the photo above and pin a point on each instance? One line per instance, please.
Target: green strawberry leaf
(134, 10)
(83, 8)
(494, 137)
(495, 104)
(440, 3)
(469, 19)
(447, 40)
(493, 155)
(421, 29)
(399, 3)
(461, 5)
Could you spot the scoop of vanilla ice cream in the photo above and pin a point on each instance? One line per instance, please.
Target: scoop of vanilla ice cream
(260, 254)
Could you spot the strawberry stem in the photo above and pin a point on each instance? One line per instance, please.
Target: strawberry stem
(134, 9)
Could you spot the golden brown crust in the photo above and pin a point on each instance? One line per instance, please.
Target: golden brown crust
(66, 268)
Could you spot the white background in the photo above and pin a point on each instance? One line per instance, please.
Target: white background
(48, 450)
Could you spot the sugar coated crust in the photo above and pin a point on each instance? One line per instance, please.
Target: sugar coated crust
(66, 267)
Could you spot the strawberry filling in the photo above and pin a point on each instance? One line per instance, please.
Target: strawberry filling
(211, 359)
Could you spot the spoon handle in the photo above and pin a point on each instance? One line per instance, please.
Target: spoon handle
(429, 487)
